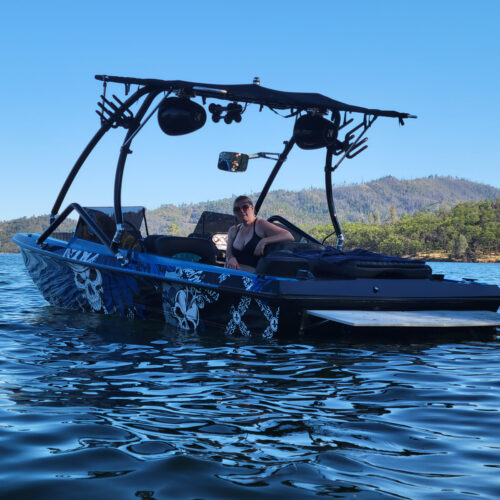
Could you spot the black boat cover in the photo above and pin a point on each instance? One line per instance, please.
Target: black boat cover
(362, 263)
(332, 255)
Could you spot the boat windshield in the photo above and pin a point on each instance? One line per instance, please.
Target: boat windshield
(213, 222)
(104, 217)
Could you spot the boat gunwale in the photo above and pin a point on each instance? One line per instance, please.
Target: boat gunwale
(124, 270)
(301, 300)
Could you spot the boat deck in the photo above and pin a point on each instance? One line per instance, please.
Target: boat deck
(415, 319)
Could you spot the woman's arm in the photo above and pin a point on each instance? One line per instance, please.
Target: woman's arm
(231, 262)
(272, 234)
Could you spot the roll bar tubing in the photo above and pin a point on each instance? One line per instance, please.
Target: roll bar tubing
(87, 219)
(282, 158)
(90, 146)
(124, 152)
(328, 188)
(293, 227)
(329, 198)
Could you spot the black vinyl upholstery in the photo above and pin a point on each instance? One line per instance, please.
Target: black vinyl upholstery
(292, 246)
(171, 246)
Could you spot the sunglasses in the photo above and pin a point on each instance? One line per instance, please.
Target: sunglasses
(242, 208)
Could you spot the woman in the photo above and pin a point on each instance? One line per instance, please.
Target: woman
(247, 240)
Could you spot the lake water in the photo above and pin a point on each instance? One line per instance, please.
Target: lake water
(103, 407)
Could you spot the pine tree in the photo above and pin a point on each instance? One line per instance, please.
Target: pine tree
(460, 246)
(393, 214)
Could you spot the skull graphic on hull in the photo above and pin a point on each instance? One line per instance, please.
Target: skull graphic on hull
(182, 305)
(186, 310)
(89, 281)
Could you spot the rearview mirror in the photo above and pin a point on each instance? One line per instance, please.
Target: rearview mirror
(232, 162)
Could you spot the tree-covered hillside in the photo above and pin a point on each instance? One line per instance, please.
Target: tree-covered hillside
(469, 231)
(372, 201)
(368, 205)
(26, 225)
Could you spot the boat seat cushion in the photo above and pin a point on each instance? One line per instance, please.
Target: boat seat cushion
(184, 248)
(293, 246)
(281, 263)
(149, 242)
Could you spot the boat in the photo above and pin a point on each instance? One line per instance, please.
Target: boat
(111, 264)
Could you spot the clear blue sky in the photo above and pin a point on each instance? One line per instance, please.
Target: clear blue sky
(438, 60)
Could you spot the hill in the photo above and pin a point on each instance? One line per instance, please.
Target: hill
(26, 225)
(372, 201)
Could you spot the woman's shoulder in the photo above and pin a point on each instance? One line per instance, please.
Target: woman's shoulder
(261, 223)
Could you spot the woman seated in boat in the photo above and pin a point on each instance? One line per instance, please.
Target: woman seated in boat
(247, 240)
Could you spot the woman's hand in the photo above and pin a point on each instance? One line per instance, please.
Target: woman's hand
(232, 263)
(259, 248)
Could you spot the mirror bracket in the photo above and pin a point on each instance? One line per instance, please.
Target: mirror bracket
(266, 155)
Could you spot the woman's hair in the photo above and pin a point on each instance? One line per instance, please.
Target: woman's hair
(243, 198)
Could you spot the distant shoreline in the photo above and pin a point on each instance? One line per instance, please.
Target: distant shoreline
(443, 257)
(428, 257)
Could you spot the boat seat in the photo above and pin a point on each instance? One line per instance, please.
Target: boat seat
(292, 246)
(149, 242)
(281, 263)
(280, 260)
(220, 242)
(183, 248)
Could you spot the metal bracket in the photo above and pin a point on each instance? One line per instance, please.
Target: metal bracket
(110, 113)
(267, 156)
(345, 121)
(351, 146)
(121, 259)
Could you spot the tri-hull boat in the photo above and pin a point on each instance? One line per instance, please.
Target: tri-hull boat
(111, 264)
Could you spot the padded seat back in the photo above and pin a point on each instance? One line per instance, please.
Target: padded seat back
(292, 246)
(180, 247)
(281, 263)
(149, 242)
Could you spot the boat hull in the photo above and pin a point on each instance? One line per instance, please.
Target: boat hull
(182, 294)
(81, 275)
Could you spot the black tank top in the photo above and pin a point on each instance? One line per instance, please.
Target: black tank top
(245, 255)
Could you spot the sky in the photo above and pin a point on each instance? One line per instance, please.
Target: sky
(437, 60)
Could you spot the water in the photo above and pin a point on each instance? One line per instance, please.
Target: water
(103, 407)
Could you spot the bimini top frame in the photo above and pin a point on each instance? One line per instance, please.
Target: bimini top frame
(117, 113)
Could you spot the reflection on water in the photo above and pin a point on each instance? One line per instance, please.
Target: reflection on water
(111, 408)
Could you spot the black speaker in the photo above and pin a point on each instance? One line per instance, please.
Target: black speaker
(314, 131)
(178, 116)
